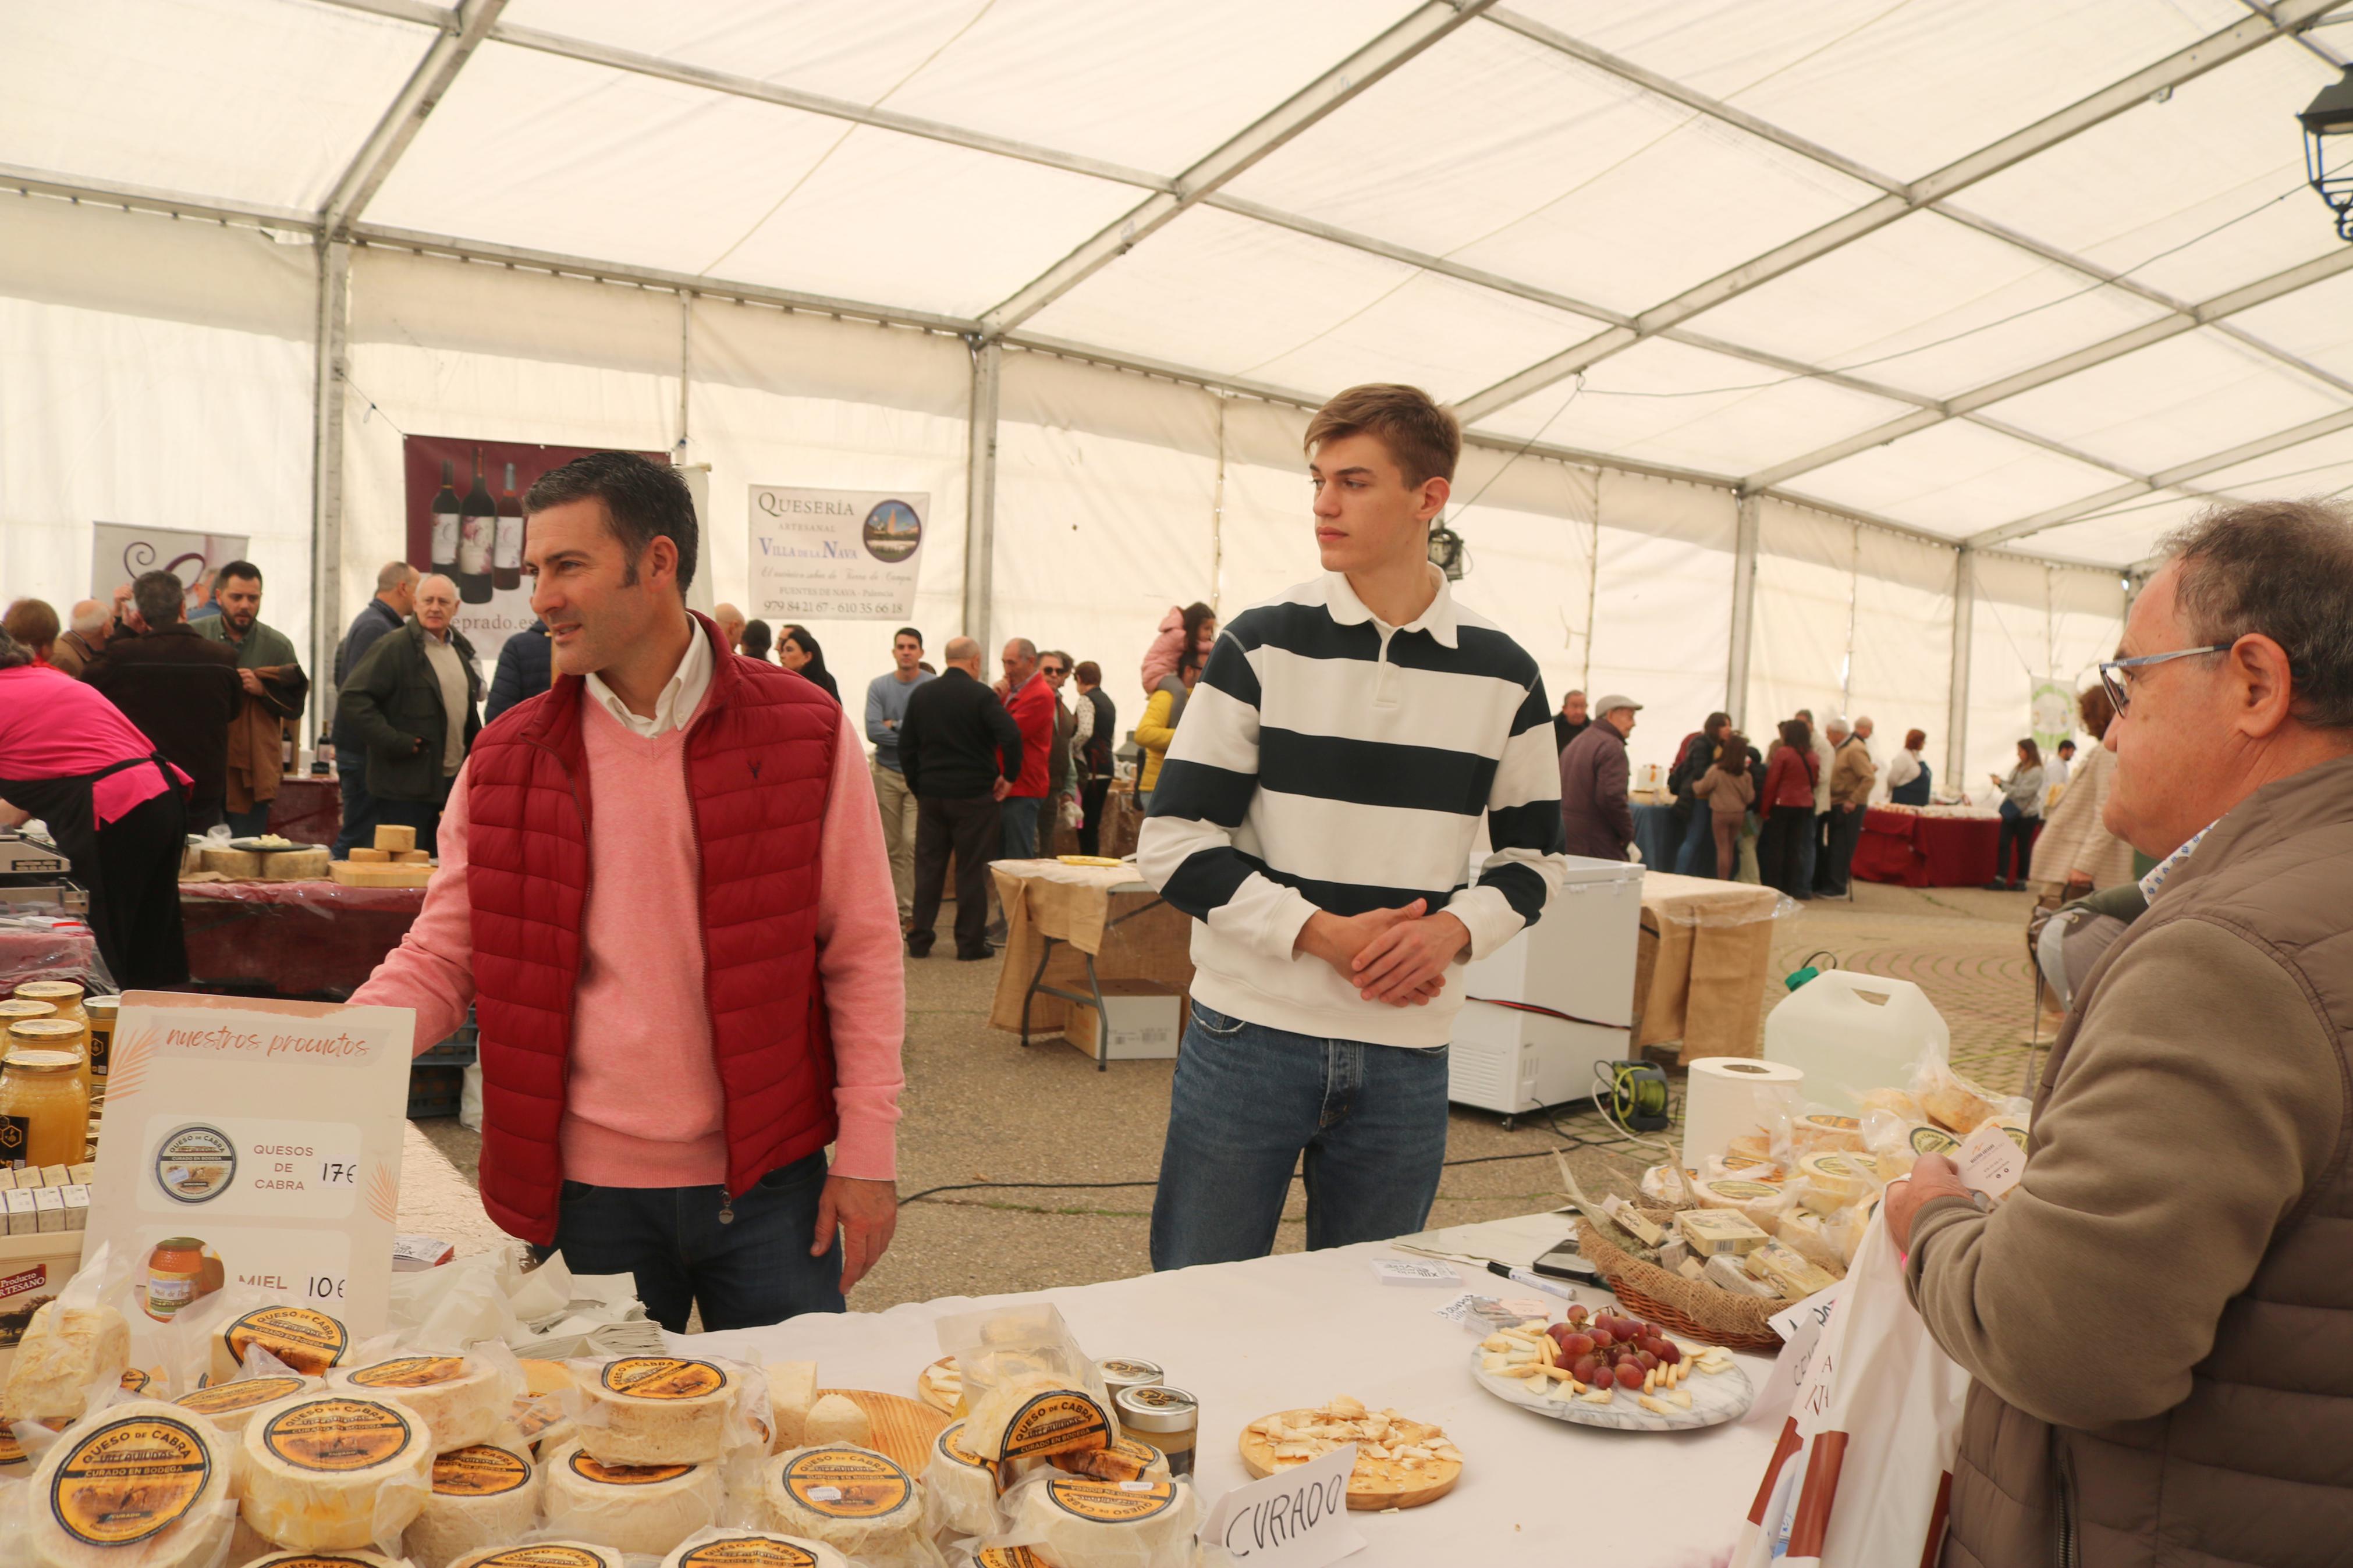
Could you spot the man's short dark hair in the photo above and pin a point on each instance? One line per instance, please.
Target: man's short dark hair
(2282, 569)
(907, 632)
(2066, 745)
(1089, 672)
(644, 501)
(160, 597)
(245, 569)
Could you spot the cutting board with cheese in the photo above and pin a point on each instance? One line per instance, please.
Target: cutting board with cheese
(904, 1430)
(1400, 1462)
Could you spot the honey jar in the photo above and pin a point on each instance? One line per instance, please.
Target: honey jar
(101, 1011)
(62, 994)
(68, 1035)
(43, 1110)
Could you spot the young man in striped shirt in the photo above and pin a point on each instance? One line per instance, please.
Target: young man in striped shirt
(1317, 815)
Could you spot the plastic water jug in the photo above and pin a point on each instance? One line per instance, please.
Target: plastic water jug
(1850, 1033)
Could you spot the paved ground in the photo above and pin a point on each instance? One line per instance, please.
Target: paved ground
(979, 1108)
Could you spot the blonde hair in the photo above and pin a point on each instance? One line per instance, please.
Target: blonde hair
(1424, 438)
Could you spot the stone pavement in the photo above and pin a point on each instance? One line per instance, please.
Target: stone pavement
(981, 1113)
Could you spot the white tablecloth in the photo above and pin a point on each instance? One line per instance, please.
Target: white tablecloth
(1250, 1338)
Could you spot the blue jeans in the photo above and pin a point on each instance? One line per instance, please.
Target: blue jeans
(250, 824)
(359, 808)
(1810, 850)
(744, 1273)
(1020, 826)
(1247, 1103)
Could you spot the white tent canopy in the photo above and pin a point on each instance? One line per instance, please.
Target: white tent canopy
(1846, 355)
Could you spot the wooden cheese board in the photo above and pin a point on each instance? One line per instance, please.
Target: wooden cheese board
(904, 1429)
(937, 1398)
(1376, 1483)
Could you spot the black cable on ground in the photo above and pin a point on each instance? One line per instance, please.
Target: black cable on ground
(1572, 1140)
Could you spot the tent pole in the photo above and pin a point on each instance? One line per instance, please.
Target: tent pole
(1744, 608)
(980, 494)
(327, 474)
(1964, 611)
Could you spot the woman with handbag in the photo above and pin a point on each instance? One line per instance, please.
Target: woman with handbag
(2022, 815)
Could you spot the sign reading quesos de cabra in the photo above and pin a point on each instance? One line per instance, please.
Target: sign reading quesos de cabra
(848, 555)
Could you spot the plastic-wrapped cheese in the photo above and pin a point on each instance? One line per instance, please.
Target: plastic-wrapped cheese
(540, 1420)
(837, 1418)
(305, 1339)
(333, 1470)
(1034, 1415)
(68, 1362)
(143, 1485)
(461, 1399)
(792, 1390)
(1825, 1132)
(314, 1560)
(543, 1554)
(482, 1495)
(646, 1509)
(653, 1410)
(731, 1548)
(1125, 1461)
(854, 1500)
(1107, 1524)
(960, 1487)
(229, 1405)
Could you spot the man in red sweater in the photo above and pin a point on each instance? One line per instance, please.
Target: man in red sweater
(1031, 699)
(664, 889)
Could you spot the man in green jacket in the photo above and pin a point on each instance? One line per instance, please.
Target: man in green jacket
(275, 690)
(415, 702)
(2160, 1316)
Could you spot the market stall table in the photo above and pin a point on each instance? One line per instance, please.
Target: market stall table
(1279, 1333)
(1700, 970)
(291, 939)
(308, 808)
(1069, 928)
(1932, 848)
(41, 947)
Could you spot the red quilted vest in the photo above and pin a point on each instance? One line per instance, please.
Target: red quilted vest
(759, 765)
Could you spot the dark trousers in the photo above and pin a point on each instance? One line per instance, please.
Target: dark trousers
(744, 1261)
(1780, 844)
(422, 815)
(205, 812)
(134, 898)
(970, 828)
(250, 824)
(359, 807)
(2018, 831)
(1844, 831)
(1093, 793)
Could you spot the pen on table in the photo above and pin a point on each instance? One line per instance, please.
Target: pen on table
(1532, 1280)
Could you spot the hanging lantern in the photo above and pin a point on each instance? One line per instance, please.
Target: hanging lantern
(2328, 148)
(1446, 552)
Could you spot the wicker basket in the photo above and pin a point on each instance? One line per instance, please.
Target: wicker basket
(1687, 1306)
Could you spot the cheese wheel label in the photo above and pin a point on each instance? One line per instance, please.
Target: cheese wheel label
(309, 1342)
(1112, 1502)
(1743, 1191)
(224, 1398)
(1933, 1141)
(481, 1470)
(136, 1379)
(317, 1559)
(412, 1372)
(129, 1480)
(337, 1435)
(542, 1557)
(951, 1445)
(589, 1469)
(1054, 1422)
(663, 1377)
(1829, 1123)
(1124, 1461)
(535, 1412)
(1007, 1557)
(12, 1452)
(847, 1483)
(749, 1551)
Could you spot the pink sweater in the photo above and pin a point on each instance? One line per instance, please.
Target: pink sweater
(643, 1108)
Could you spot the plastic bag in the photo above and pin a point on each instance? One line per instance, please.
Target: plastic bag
(665, 1409)
(1105, 1524)
(1029, 1389)
(141, 1460)
(76, 1349)
(1861, 1476)
(463, 1397)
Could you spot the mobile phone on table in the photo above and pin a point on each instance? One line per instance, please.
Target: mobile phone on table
(1564, 1262)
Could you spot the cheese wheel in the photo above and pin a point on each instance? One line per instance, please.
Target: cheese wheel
(1106, 1524)
(960, 1487)
(333, 1470)
(1035, 1414)
(837, 1418)
(247, 1545)
(482, 1495)
(541, 1421)
(461, 1399)
(854, 1500)
(543, 1554)
(229, 1405)
(305, 1339)
(646, 1509)
(1825, 1132)
(1760, 1201)
(792, 1390)
(653, 1410)
(752, 1549)
(314, 1560)
(144, 1485)
(1837, 1180)
(69, 1360)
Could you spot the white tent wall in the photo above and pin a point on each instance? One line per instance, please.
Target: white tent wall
(155, 372)
(1903, 652)
(2035, 620)
(1529, 532)
(1663, 607)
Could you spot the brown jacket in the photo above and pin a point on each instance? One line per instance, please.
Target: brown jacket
(1852, 773)
(1593, 805)
(2159, 1318)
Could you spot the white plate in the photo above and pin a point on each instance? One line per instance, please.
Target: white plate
(1716, 1397)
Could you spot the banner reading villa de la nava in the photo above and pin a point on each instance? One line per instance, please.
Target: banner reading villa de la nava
(848, 555)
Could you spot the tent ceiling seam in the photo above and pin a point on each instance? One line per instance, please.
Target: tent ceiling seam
(407, 114)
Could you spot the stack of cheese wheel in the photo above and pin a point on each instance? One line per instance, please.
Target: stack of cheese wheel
(313, 1559)
(646, 1509)
(482, 1495)
(729, 1548)
(333, 1470)
(543, 1554)
(305, 1339)
(1033, 1414)
(854, 1500)
(70, 1359)
(960, 1487)
(461, 1399)
(229, 1405)
(654, 1410)
(144, 1485)
(1084, 1524)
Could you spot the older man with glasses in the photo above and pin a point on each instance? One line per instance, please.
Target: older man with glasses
(2160, 1317)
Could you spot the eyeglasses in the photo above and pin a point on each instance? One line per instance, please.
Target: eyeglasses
(2113, 677)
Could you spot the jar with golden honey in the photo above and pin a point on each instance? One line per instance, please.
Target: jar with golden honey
(62, 994)
(12, 1008)
(43, 1110)
(101, 1011)
(66, 1035)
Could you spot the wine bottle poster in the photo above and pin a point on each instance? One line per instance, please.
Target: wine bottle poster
(465, 521)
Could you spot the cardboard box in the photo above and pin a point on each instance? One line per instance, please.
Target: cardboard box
(1148, 1019)
(33, 1270)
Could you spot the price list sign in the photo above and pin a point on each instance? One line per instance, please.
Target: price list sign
(254, 1142)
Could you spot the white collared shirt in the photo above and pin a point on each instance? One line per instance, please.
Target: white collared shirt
(1346, 609)
(680, 697)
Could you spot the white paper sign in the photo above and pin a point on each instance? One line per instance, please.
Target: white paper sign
(1416, 1271)
(1296, 1518)
(268, 1135)
(1800, 1328)
(1991, 1162)
(848, 555)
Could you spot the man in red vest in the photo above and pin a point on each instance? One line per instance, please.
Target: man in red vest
(664, 891)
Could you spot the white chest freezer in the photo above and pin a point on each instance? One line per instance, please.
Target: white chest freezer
(1555, 999)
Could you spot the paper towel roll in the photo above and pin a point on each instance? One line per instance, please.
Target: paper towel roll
(1720, 1103)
